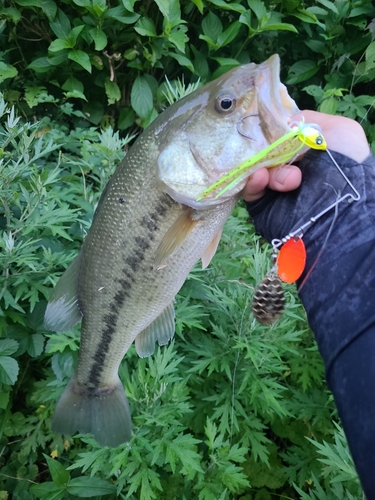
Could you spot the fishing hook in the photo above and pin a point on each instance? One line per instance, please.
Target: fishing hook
(239, 123)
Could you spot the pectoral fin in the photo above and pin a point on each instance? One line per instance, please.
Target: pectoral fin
(175, 235)
(62, 311)
(211, 249)
(160, 330)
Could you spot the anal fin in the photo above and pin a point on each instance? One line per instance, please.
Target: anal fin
(160, 330)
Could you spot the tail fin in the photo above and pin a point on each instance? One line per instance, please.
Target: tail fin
(104, 412)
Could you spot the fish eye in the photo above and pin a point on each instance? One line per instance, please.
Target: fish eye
(225, 104)
(319, 140)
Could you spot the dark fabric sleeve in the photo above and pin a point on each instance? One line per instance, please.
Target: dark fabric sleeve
(339, 293)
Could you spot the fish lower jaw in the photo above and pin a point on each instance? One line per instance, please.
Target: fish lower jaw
(191, 200)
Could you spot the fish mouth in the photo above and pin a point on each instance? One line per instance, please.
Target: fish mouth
(272, 109)
(275, 106)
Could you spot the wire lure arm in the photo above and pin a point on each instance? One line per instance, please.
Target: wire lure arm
(276, 243)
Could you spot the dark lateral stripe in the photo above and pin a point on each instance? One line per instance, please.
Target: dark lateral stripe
(111, 319)
(103, 349)
(132, 263)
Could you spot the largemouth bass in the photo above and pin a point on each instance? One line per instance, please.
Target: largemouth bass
(148, 232)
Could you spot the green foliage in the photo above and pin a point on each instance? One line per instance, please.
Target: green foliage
(111, 58)
(230, 409)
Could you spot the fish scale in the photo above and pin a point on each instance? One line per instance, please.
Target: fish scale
(148, 232)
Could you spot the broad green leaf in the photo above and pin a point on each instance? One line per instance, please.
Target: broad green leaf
(49, 8)
(182, 60)
(36, 345)
(74, 94)
(210, 42)
(226, 61)
(61, 25)
(93, 111)
(11, 13)
(370, 56)
(40, 65)
(73, 35)
(112, 90)
(145, 27)
(329, 5)
(141, 97)
(234, 6)
(57, 58)
(317, 11)
(129, 4)
(316, 45)
(72, 84)
(245, 18)
(99, 37)
(306, 16)
(8, 347)
(80, 58)
(87, 487)
(179, 39)
(258, 8)
(47, 491)
(199, 5)
(28, 3)
(301, 71)
(60, 476)
(201, 67)
(83, 3)
(362, 9)
(150, 118)
(8, 370)
(329, 106)
(4, 399)
(170, 9)
(212, 26)
(280, 27)
(7, 71)
(163, 7)
(229, 34)
(121, 15)
(126, 118)
(59, 44)
(315, 91)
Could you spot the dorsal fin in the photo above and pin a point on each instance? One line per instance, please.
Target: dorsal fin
(160, 330)
(62, 311)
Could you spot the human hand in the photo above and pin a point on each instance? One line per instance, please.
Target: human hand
(342, 134)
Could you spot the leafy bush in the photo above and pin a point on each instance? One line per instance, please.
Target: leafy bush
(112, 57)
(223, 412)
(230, 409)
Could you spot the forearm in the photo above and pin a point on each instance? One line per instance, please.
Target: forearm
(339, 292)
